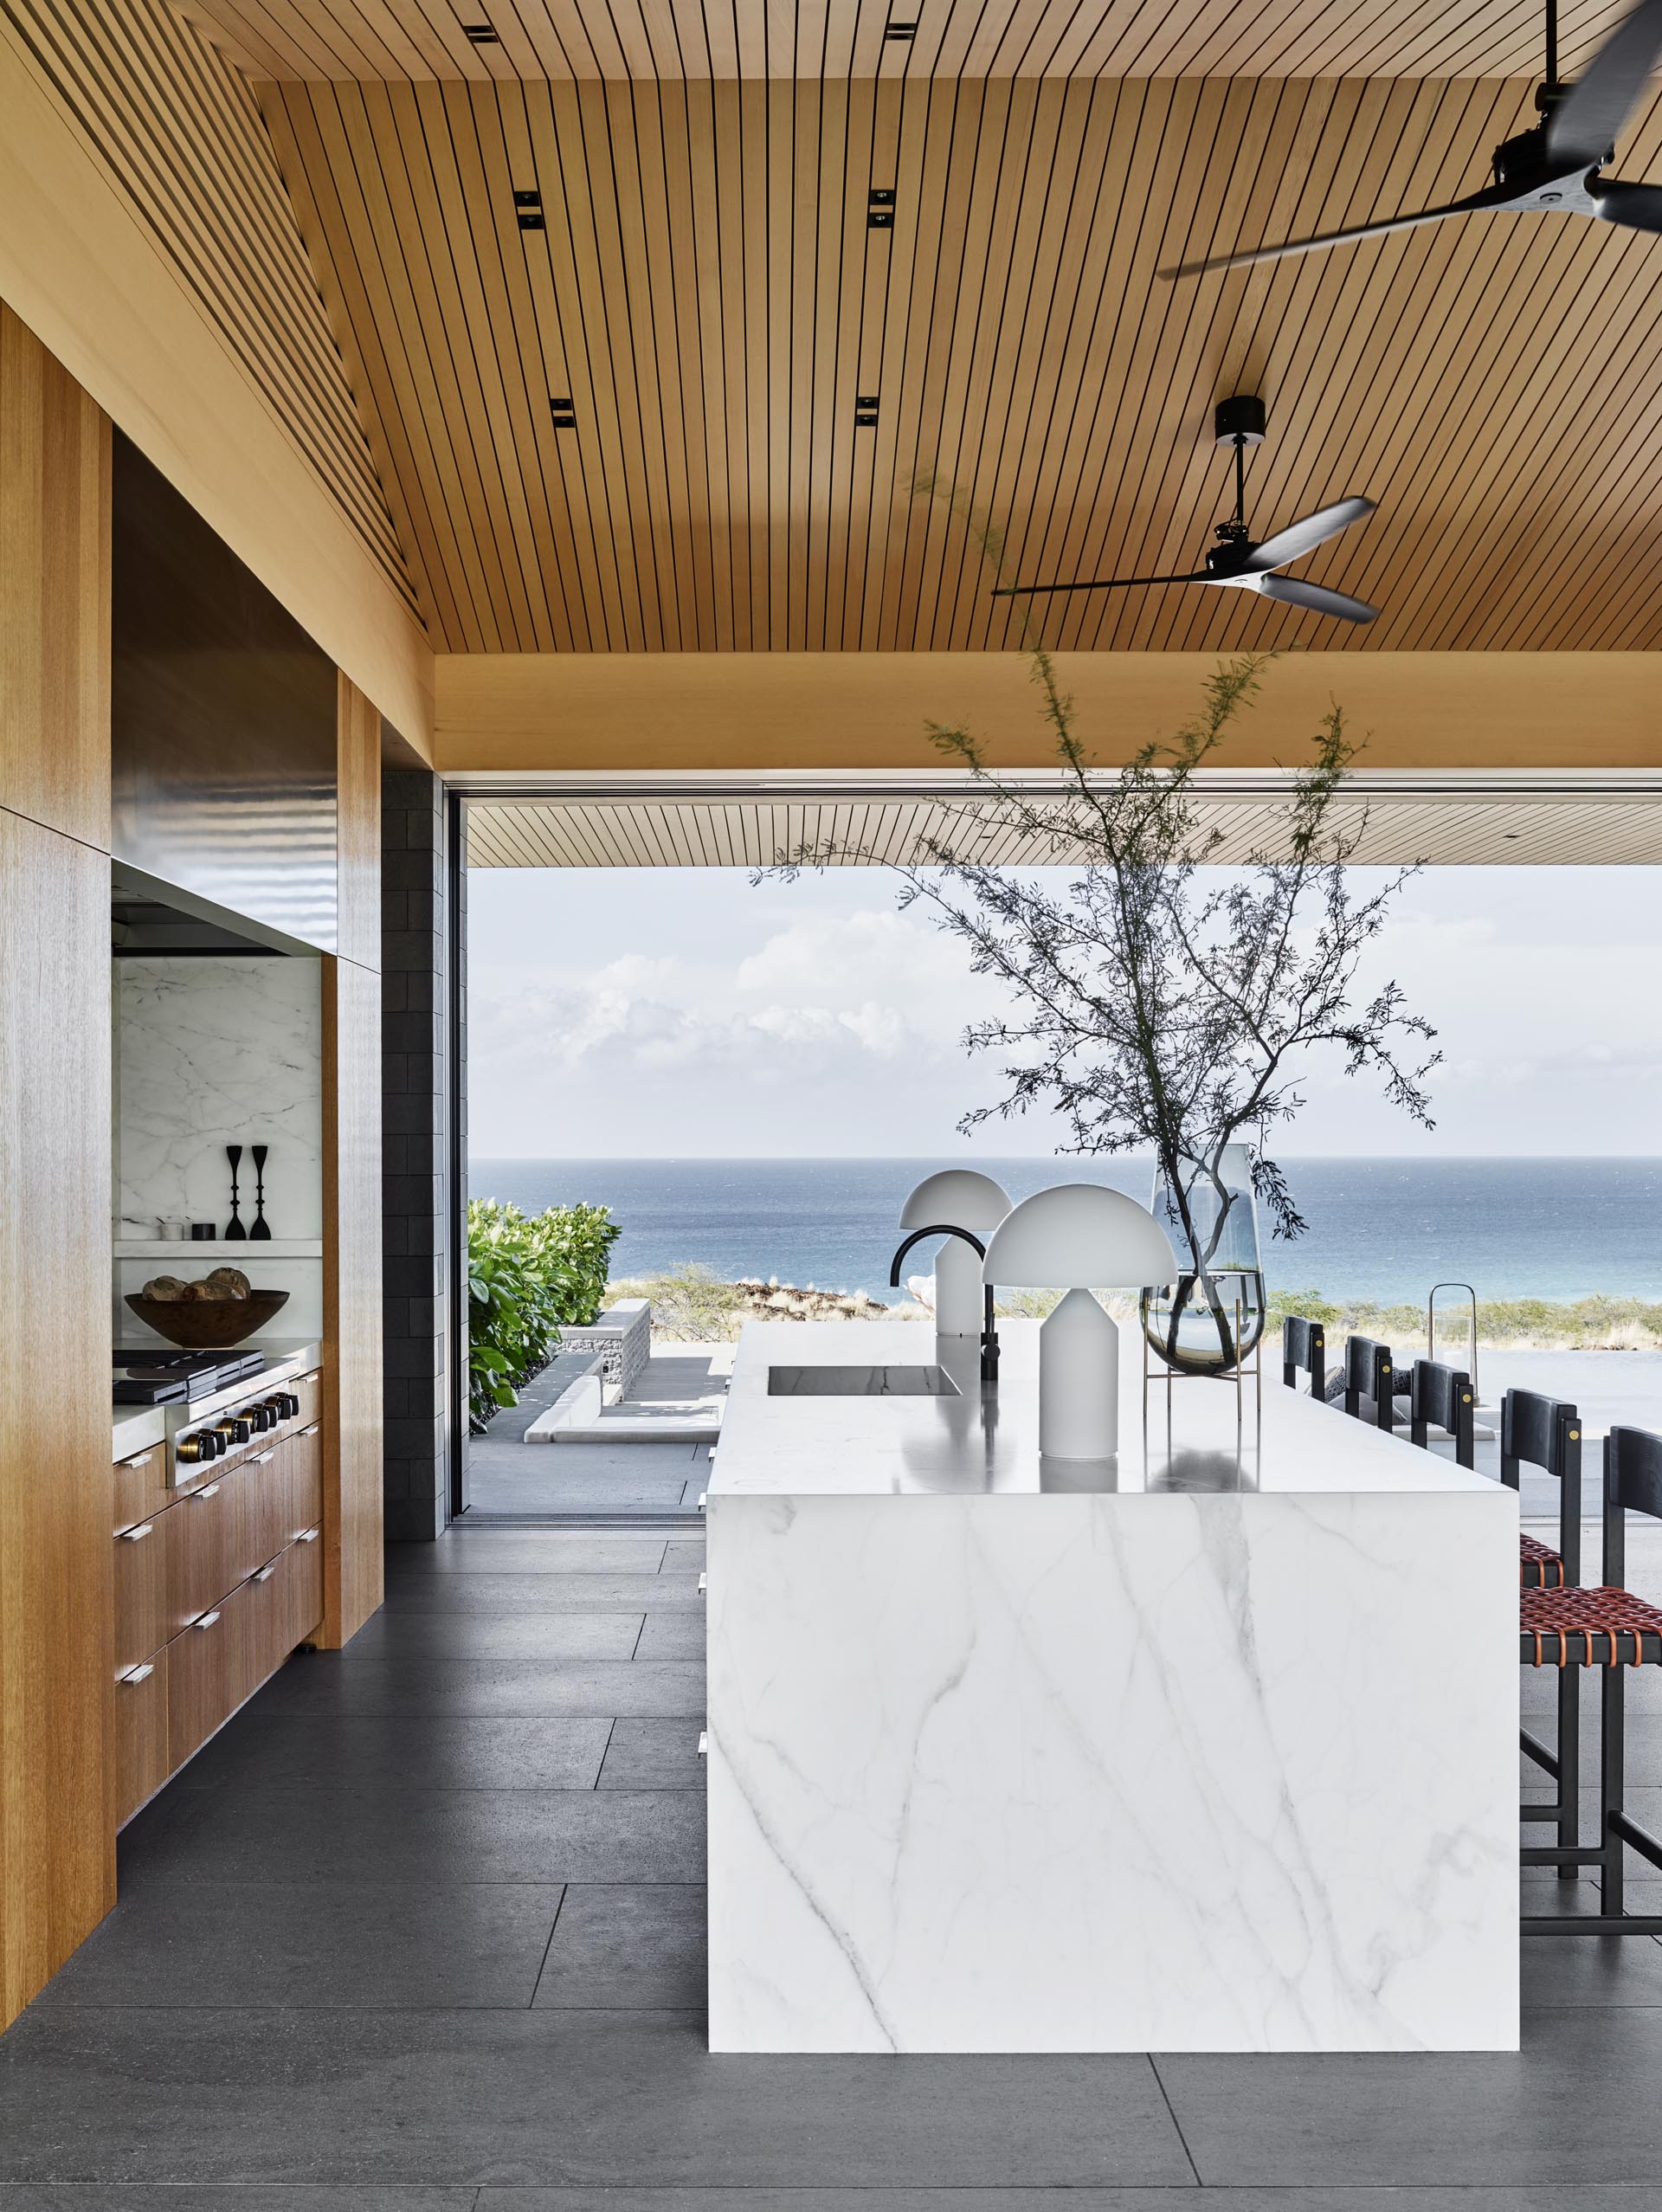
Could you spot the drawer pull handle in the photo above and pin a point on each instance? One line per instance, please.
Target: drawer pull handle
(133, 1535)
(138, 1673)
(704, 1585)
(265, 1574)
(306, 1536)
(207, 1619)
(143, 1460)
(260, 1458)
(208, 1490)
(311, 1431)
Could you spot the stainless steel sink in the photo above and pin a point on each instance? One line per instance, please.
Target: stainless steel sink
(860, 1383)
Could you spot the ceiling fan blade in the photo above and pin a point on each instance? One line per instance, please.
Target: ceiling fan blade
(1589, 118)
(1293, 592)
(1493, 195)
(1099, 583)
(1301, 537)
(1639, 206)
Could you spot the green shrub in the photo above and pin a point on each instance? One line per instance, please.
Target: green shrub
(527, 1276)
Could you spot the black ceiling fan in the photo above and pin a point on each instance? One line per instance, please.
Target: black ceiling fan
(1555, 167)
(1236, 562)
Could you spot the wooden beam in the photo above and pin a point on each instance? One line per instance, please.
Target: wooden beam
(521, 712)
(90, 282)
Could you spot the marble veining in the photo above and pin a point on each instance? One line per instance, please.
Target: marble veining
(211, 1052)
(1141, 1769)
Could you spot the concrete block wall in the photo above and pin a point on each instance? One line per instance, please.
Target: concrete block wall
(417, 1138)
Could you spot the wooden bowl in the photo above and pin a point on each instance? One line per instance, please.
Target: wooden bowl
(207, 1323)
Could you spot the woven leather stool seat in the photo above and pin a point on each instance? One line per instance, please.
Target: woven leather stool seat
(1600, 1627)
(1540, 1567)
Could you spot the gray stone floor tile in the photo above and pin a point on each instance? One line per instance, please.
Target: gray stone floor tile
(1173, 2199)
(503, 1689)
(1579, 2105)
(654, 1755)
(683, 1554)
(486, 1595)
(620, 1946)
(546, 1633)
(1559, 1970)
(353, 1752)
(139, 2196)
(528, 1552)
(313, 1946)
(277, 1834)
(623, 2099)
(672, 1635)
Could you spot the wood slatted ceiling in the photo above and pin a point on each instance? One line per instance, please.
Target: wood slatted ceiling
(683, 833)
(344, 39)
(178, 134)
(709, 295)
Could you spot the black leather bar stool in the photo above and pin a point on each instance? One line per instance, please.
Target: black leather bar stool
(1537, 1431)
(1369, 1373)
(1304, 1352)
(1442, 1397)
(1610, 1629)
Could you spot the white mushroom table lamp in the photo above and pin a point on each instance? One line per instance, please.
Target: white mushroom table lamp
(962, 1199)
(1081, 1237)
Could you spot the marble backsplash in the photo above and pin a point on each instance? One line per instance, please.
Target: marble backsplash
(211, 1052)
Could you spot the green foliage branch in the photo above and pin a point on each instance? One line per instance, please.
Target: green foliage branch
(527, 1276)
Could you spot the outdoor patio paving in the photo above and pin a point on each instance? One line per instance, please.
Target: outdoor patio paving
(421, 1931)
(511, 1480)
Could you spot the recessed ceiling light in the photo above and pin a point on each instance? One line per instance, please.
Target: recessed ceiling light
(564, 411)
(528, 206)
(880, 209)
(481, 33)
(866, 411)
(901, 30)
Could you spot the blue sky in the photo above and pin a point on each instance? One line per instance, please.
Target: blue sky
(688, 1013)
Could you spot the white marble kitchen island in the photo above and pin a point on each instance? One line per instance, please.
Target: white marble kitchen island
(1206, 1750)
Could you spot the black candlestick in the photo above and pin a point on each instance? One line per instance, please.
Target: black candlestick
(261, 1227)
(234, 1232)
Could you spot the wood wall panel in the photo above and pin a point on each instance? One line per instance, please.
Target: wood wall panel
(424, 39)
(357, 827)
(708, 293)
(148, 242)
(351, 1299)
(505, 714)
(57, 1847)
(54, 560)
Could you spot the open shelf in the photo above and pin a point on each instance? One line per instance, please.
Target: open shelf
(276, 1248)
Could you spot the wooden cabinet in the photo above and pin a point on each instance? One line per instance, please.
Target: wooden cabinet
(214, 1584)
(142, 1624)
(141, 1756)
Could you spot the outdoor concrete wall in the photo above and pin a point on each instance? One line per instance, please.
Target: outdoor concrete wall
(418, 1135)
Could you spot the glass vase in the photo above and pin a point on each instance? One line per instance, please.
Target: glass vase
(1211, 1318)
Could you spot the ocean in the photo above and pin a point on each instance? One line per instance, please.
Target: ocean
(1378, 1228)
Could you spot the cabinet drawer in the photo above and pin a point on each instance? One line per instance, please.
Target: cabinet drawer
(142, 1623)
(303, 1584)
(305, 1480)
(209, 1673)
(262, 1507)
(202, 1546)
(142, 1760)
(138, 1489)
(308, 1389)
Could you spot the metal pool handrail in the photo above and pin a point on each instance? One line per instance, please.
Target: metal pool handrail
(1431, 1326)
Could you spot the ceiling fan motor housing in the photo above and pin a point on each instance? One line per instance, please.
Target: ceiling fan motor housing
(1240, 417)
